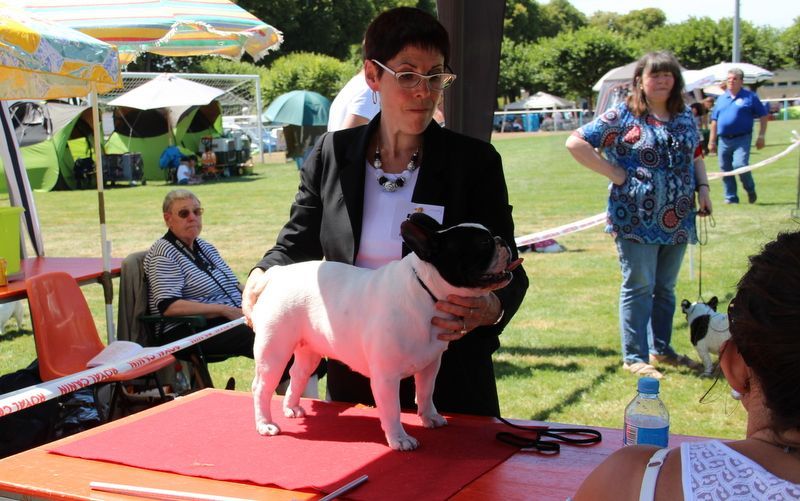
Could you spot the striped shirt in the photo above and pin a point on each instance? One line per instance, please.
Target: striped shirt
(172, 274)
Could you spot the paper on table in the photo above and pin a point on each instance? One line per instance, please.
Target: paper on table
(119, 350)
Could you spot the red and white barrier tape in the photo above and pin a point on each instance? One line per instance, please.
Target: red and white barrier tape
(541, 236)
(589, 222)
(36, 394)
(748, 168)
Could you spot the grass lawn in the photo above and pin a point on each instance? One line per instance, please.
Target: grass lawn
(560, 356)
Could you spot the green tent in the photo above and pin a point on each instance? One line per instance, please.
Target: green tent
(51, 136)
(150, 132)
(141, 131)
(196, 123)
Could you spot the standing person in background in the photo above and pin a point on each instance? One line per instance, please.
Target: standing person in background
(359, 184)
(732, 125)
(654, 162)
(354, 105)
(760, 362)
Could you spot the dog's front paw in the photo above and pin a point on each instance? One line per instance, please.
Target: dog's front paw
(402, 442)
(433, 420)
(707, 373)
(267, 428)
(294, 411)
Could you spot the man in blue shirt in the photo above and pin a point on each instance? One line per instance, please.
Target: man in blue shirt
(732, 124)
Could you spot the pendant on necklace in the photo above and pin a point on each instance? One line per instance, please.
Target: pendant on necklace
(391, 185)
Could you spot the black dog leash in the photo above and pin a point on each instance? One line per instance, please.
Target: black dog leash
(535, 441)
(702, 241)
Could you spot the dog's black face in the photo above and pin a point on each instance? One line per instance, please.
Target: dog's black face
(466, 255)
(698, 315)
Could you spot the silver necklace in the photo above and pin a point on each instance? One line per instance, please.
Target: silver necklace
(395, 184)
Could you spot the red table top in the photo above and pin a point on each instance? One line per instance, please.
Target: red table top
(82, 269)
(525, 475)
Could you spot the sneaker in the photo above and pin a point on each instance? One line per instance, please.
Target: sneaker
(752, 197)
(676, 361)
(642, 369)
(731, 201)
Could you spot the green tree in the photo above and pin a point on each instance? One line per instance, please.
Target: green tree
(559, 16)
(570, 63)
(323, 26)
(702, 42)
(523, 21)
(790, 40)
(302, 70)
(696, 42)
(639, 22)
(516, 69)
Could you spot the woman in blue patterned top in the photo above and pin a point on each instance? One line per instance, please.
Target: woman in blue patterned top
(653, 158)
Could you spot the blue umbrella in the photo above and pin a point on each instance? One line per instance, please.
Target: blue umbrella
(299, 107)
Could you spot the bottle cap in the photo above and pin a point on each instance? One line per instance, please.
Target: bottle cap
(648, 385)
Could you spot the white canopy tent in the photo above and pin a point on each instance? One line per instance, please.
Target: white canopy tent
(539, 101)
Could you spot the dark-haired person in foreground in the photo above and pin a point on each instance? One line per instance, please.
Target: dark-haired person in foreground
(760, 362)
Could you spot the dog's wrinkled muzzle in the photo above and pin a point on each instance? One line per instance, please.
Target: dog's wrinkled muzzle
(509, 266)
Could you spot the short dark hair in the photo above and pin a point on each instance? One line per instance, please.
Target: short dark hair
(654, 62)
(764, 317)
(396, 29)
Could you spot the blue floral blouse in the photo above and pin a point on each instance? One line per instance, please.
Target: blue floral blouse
(655, 204)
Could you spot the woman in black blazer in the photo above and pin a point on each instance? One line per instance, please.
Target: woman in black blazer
(357, 185)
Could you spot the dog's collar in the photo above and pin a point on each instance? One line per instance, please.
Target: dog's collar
(424, 286)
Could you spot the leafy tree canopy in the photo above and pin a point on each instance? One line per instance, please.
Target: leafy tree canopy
(570, 63)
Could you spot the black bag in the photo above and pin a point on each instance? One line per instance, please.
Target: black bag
(30, 427)
(83, 172)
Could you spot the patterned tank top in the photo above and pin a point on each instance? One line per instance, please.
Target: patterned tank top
(712, 470)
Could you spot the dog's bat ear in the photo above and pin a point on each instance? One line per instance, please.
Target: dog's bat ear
(425, 221)
(713, 302)
(685, 305)
(419, 237)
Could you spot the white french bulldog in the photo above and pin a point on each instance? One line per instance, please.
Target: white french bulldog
(708, 329)
(378, 322)
(12, 309)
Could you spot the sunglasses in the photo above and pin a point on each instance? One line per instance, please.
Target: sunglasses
(410, 79)
(184, 213)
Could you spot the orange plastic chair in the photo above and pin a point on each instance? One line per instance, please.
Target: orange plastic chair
(66, 336)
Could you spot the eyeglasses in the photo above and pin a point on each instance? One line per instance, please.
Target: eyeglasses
(410, 79)
(184, 213)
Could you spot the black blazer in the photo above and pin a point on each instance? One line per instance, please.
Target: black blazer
(460, 173)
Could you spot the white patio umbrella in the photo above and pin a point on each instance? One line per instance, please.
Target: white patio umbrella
(752, 73)
(167, 91)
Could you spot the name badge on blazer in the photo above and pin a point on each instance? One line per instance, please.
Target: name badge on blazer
(405, 209)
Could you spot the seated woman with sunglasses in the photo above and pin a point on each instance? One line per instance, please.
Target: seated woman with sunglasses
(359, 184)
(187, 276)
(760, 362)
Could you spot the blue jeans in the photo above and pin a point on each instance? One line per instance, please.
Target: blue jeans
(647, 297)
(733, 153)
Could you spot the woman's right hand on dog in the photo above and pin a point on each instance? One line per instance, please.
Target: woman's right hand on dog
(252, 289)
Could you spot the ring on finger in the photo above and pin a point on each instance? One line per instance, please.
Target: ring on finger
(463, 326)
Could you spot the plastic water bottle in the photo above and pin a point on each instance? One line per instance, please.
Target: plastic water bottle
(181, 384)
(646, 417)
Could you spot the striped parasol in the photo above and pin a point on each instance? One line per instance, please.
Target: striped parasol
(165, 27)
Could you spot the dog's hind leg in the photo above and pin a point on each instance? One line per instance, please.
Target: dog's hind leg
(305, 363)
(270, 359)
(424, 381)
